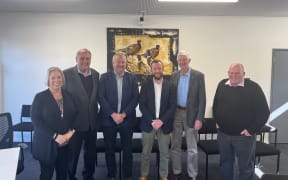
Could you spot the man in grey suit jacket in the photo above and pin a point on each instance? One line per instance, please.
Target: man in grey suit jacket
(190, 111)
(81, 82)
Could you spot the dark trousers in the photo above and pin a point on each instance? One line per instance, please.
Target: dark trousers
(242, 147)
(89, 140)
(60, 166)
(110, 134)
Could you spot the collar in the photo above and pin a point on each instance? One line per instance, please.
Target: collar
(120, 75)
(154, 81)
(186, 74)
(80, 72)
(241, 84)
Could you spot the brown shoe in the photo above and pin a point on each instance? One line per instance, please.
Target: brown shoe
(111, 178)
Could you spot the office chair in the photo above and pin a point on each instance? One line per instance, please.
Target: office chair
(209, 143)
(267, 176)
(264, 149)
(25, 125)
(6, 138)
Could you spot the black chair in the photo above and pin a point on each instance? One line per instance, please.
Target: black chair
(264, 149)
(6, 138)
(25, 124)
(207, 140)
(274, 177)
(263, 176)
(269, 129)
(136, 146)
(210, 147)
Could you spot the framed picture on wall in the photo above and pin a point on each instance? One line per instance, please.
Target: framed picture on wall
(141, 47)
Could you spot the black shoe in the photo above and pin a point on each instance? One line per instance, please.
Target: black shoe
(176, 177)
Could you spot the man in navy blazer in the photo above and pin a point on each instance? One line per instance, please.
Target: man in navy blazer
(118, 98)
(81, 82)
(157, 103)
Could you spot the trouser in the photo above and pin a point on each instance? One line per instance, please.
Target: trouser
(163, 145)
(242, 147)
(110, 134)
(60, 166)
(89, 139)
(191, 135)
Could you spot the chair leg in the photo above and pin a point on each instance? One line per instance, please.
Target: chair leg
(22, 136)
(278, 162)
(96, 160)
(158, 163)
(31, 139)
(120, 165)
(206, 170)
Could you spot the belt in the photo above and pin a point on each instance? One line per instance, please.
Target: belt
(182, 108)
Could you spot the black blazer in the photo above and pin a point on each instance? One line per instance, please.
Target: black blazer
(167, 105)
(87, 107)
(46, 119)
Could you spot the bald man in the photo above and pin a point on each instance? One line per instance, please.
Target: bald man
(240, 110)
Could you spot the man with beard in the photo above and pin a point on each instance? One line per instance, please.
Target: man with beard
(157, 103)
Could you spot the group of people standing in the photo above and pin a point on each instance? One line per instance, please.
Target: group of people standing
(66, 115)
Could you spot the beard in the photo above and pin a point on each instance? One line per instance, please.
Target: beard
(157, 76)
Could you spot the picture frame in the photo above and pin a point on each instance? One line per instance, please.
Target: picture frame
(141, 47)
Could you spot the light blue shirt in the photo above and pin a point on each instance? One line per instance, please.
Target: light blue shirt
(119, 79)
(183, 87)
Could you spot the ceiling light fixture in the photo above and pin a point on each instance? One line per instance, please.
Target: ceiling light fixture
(208, 1)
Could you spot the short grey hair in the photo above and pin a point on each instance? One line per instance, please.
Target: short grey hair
(118, 54)
(83, 50)
(183, 53)
(50, 70)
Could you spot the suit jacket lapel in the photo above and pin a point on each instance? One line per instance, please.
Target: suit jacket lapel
(95, 86)
(151, 86)
(163, 94)
(113, 83)
(191, 84)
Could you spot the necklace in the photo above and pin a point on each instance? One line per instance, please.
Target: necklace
(60, 105)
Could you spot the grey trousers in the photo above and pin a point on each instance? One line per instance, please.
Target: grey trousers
(191, 135)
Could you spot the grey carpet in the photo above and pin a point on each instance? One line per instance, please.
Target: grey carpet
(268, 165)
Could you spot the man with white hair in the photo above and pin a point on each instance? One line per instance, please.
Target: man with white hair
(190, 111)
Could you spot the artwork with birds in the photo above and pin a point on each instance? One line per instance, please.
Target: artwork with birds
(153, 52)
(131, 49)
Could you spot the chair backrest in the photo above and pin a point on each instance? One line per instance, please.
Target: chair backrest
(6, 133)
(137, 125)
(208, 128)
(25, 113)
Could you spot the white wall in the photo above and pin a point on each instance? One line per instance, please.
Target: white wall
(30, 43)
(1, 89)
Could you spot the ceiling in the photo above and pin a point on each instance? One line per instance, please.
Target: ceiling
(268, 8)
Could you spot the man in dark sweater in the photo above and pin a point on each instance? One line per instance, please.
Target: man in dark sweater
(81, 81)
(240, 110)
